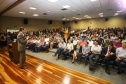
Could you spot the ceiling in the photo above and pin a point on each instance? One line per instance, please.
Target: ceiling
(78, 9)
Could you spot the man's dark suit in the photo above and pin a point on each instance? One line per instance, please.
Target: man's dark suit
(109, 57)
(21, 48)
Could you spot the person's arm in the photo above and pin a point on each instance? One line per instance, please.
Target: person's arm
(21, 40)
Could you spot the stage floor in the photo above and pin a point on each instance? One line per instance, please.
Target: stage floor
(41, 72)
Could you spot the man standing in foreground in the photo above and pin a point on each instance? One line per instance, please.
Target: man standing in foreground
(22, 46)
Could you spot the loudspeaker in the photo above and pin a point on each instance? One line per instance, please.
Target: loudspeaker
(50, 21)
(76, 22)
(106, 19)
(25, 21)
(63, 23)
(125, 17)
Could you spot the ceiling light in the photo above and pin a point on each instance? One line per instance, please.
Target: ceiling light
(22, 12)
(119, 11)
(35, 15)
(52, 0)
(64, 18)
(100, 13)
(86, 16)
(32, 8)
(116, 13)
(48, 11)
(66, 6)
(73, 10)
(77, 18)
(93, 0)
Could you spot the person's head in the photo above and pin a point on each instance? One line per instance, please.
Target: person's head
(96, 43)
(71, 38)
(62, 41)
(78, 43)
(42, 40)
(83, 39)
(55, 37)
(124, 45)
(116, 38)
(69, 41)
(86, 43)
(107, 40)
(97, 39)
(110, 45)
(23, 30)
(37, 38)
(122, 35)
(89, 38)
(125, 37)
(119, 40)
(76, 38)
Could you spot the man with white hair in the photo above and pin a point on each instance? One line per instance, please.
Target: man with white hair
(62, 46)
(121, 56)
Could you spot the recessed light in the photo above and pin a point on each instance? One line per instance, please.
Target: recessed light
(35, 15)
(86, 16)
(116, 13)
(33, 8)
(22, 12)
(119, 11)
(48, 11)
(73, 10)
(100, 13)
(52, 0)
(93, 0)
(66, 6)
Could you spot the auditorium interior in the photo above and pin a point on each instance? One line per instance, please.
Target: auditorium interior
(67, 41)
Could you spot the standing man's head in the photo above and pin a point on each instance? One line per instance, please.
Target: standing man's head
(23, 30)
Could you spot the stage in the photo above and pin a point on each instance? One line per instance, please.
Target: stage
(41, 72)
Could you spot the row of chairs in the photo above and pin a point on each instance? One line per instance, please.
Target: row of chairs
(101, 60)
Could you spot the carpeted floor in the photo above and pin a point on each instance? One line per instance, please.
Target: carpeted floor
(99, 72)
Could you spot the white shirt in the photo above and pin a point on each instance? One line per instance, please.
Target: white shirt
(120, 52)
(98, 48)
(38, 41)
(75, 42)
(62, 44)
(70, 46)
(47, 40)
(90, 43)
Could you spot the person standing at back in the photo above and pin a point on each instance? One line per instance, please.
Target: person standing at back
(66, 34)
(22, 46)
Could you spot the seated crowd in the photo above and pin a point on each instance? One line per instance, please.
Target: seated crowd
(89, 45)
